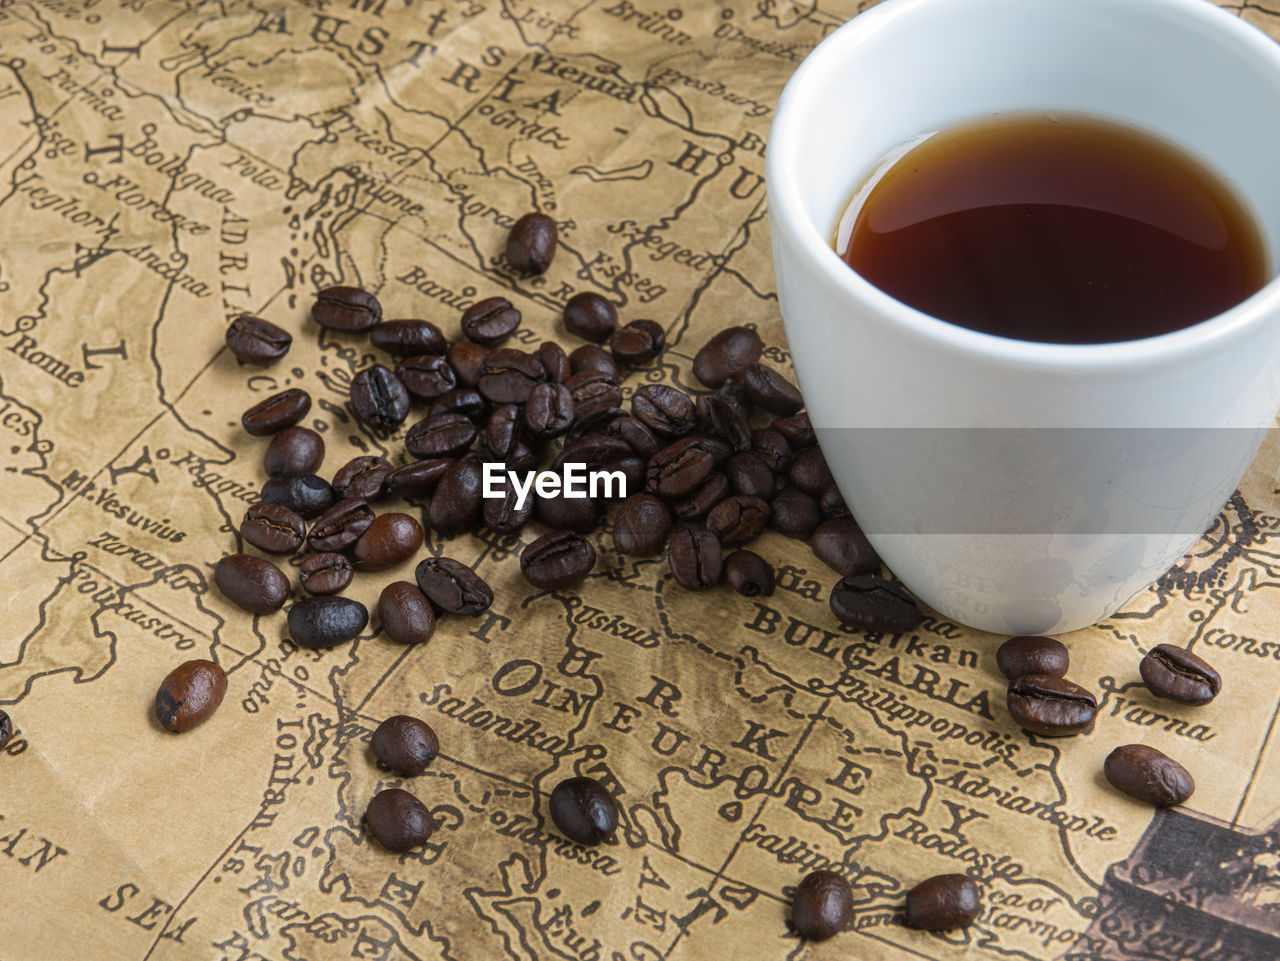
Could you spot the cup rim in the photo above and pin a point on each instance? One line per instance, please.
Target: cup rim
(783, 179)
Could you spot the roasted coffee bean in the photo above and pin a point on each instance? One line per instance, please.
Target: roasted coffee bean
(738, 520)
(273, 528)
(1148, 775)
(405, 744)
(346, 308)
(340, 526)
(694, 558)
(734, 393)
(531, 244)
(190, 694)
(832, 504)
(809, 472)
(419, 478)
(501, 514)
(557, 560)
(1052, 706)
(256, 341)
(276, 412)
(362, 478)
(427, 376)
(841, 545)
(466, 401)
(508, 376)
(455, 507)
(698, 505)
(452, 586)
(320, 622)
(797, 429)
(590, 316)
(638, 342)
(554, 361)
(795, 513)
(406, 615)
(642, 441)
(408, 338)
(942, 903)
(595, 359)
(440, 435)
(6, 729)
(390, 540)
(822, 905)
(667, 411)
(679, 469)
(597, 425)
(641, 525)
(378, 398)
(504, 432)
(1179, 675)
(252, 583)
(749, 574)
(294, 450)
(549, 412)
(306, 494)
(749, 475)
(770, 390)
(467, 360)
(594, 393)
(490, 321)
(594, 453)
(729, 352)
(1026, 654)
(398, 820)
(578, 514)
(868, 602)
(325, 573)
(718, 416)
(773, 447)
(584, 810)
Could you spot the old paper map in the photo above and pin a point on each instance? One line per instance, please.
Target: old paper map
(167, 165)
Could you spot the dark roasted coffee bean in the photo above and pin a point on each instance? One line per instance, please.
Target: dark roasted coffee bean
(590, 316)
(340, 526)
(504, 432)
(531, 244)
(294, 450)
(698, 505)
(638, 342)
(362, 478)
(594, 393)
(797, 429)
(467, 360)
(1152, 777)
(694, 558)
(273, 528)
(466, 401)
(770, 390)
(455, 507)
(252, 583)
(841, 545)
(490, 321)
(642, 441)
(306, 494)
(406, 615)
(942, 903)
(346, 308)
(408, 338)
(831, 503)
(6, 729)
(1179, 675)
(578, 514)
(594, 453)
(667, 411)
(256, 341)
(325, 573)
(398, 820)
(452, 586)
(809, 472)
(554, 361)
(868, 602)
(549, 412)
(427, 376)
(594, 359)
(641, 525)
(390, 540)
(679, 469)
(319, 622)
(734, 393)
(501, 514)
(440, 435)
(738, 520)
(522, 458)
(584, 810)
(508, 376)
(749, 475)
(720, 417)
(795, 513)
(557, 560)
(405, 744)
(822, 905)
(729, 352)
(419, 478)
(1052, 706)
(597, 425)
(378, 398)
(773, 447)
(190, 694)
(1026, 654)
(749, 574)
(276, 412)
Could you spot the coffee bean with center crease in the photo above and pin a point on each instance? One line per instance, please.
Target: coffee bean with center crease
(557, 560)
(943, 902)
(362, 478)
(452, 586)
(252, 583)
(809, 471)
(348, 309)
(326, 573)
(405, 744)
(1026, 654)
(641, 525)
(531, 244)
(418, 478)
(276, 412)
(508, 376)
(467, 360)
(635, 434)
(694, 558)
(1052, 706)
(638, 342)
(398, 820)
(699, 504)
(427, 376)
(822, 905)
(594, 358)
(294, 450)
(773, 447)
(738, 520)
(321, 622)
(490, 321)
(749, 475)
(769, 389)
(679, 469)
(406, 615)
(1148, 775)
(440, 435)
(593, 392)
(554, 361)
(868, 602)
(549, 412)
(584, 810)
(391, 539)
(307, 494)
(749, 574)
(667, 411)
(1179, 675)
(378, 398)
(718, 416)
(190, 694)
(273, 528)
(728, 353)
(466, 401)
(408, 338)
(504, 431)
(795, 513)
(841, 545)
(256, 341)
(6, 729)
(797, 429)
(501, 513)
(590, 316)
(458, 500)
(340, 526)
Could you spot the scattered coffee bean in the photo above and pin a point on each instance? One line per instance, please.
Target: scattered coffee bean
(809, 472)
(408, 338)
(728, 353)
(770, 390)
(694, 558)
(466, 401)
(554, 361)
(379, 398)
(294, 450)
(638, 342)
(440, 435)
(700, 503)
(531, 244)
(667, 411)
(584, 810)
(1175, 673)
(868, 602)
(459, 498)
(490, 321)
(679, 469)
(405, 613)
(1032, 655)
(797, 429)
(773, 447)
(749, 574)
(1052, 706)
(348, 309)
(641, 525)
(6, 729)
(190, 694)
(390, 540)
(252, 583)
(405, 744)
(276, 412)
(501, 514)
(723, 418)
(738, 520)
(306, 494)
(256, 341)
(557, 560)
(832, 504)
(320, 622)
(749, 475)
(508, 376)
(361, 478)
(795, 513)
(452, 586)
(273, 528)
(466, 359)
(398, 820)
(822, 905)
(634, 434)
(577, 514)
(841, 545)
(549, 412)
(1148, 775)
(340, 526)
(593, 358)
(590, 316)
(595, 394)
(325, 573)
(419, 478)
(942, 903)
(427, 376)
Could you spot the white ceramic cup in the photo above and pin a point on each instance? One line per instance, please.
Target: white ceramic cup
(1014, 486)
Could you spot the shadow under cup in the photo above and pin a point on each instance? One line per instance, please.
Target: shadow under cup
(1016, 486)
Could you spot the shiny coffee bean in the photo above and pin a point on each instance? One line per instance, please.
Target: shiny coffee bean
(459, 498)
(868, 602)
(809, 472)
(1052, 706)
(841, 545)
(822, 905)
(427, 376)
(694, 558)
(362, 478)
(699, 504)
(749, 475)
(769, 389)
(584, 810)
(578, 514)
(633, 432)
(531, 244)
(749, 574)
(679, 469)
(466, 401)
(294, 450)
(406, 615)
(942, 903)
(1175, 673)
(504, 432)
(378, 398)
(593, 452)
(594, 394)
(276, 412)
(501, 513)
(452, 586)
(6, 729)
(398, 820)
(638, 342)
(773, 447)
(490, 321)
(549, 412)
(253, 340)
(405, 744)
(728, 353)
(320, 622)
(795, 513)
(554, 361)
(667, 411)
(190, 694)
(1026, 654)
(440, 435)
(641, 525)
(797, 429)
(419, 478)
(325, 573)
(273, 528)
(347, 309)
(1148, 775)
(340, 526)
(590, 316)
(408, 338)
(252, 583)
(308, 495)
(593, 358)
(466, 358)
(508, 376)
(738, 520)
(390, 540)
(722, 418)
(557, 560)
